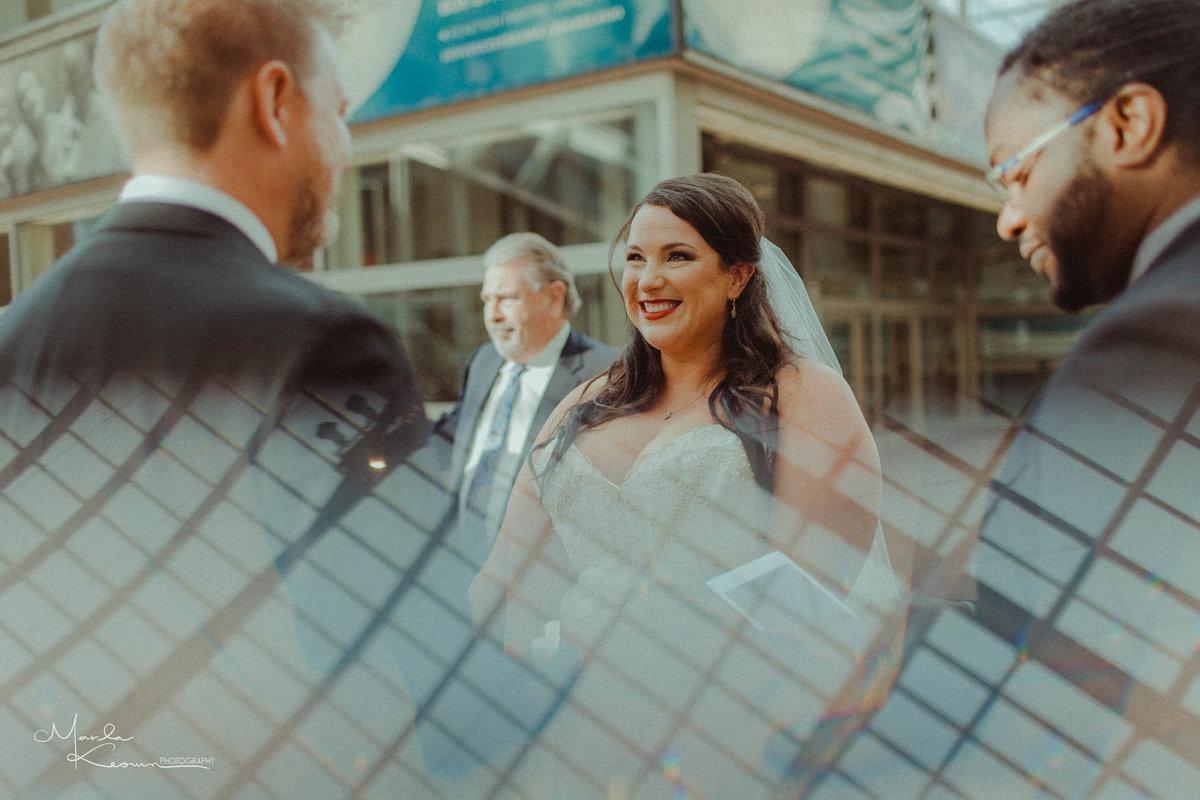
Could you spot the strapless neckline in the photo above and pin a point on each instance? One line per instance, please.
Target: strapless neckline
(683, 512)
(654, 455)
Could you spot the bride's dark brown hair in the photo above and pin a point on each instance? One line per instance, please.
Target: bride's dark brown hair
(753, 349)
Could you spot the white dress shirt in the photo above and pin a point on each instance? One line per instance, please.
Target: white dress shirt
(530, 390)
(184, 192)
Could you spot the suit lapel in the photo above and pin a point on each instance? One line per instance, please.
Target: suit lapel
(483, 371)
(564, 378)
(480, 385)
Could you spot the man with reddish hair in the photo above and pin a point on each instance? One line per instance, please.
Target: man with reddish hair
(186, 424)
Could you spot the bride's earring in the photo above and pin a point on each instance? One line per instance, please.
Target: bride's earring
(733, 308)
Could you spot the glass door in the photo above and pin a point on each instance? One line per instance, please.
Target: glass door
(906, 363)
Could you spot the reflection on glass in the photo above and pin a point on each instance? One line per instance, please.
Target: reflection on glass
(343, 666)
(568, 180)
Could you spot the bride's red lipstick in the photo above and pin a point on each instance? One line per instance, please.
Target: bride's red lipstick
(657, 309)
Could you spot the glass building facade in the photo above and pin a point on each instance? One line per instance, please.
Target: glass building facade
(1023, 676)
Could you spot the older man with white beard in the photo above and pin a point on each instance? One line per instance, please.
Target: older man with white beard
(511, 385)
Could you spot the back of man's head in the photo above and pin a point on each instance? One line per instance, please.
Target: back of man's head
(170, 67)
(1086, 50)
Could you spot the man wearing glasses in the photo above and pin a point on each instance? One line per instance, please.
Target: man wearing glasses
(1095, 136)
(1089, 555)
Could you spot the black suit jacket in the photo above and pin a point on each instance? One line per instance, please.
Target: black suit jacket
(1102, 431)
(1087, 559)
(166, 290)
(581, 359)
(187, 436)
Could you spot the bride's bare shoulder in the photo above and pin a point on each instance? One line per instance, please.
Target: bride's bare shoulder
(814, 389)
(588, 390)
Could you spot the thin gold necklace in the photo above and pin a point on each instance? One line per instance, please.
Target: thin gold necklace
(686, 405)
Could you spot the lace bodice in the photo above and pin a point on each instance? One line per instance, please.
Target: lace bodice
(649, 634)
(685, 512)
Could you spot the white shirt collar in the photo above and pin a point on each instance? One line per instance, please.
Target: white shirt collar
(1159, 239)
(548, 355)
(181, 191)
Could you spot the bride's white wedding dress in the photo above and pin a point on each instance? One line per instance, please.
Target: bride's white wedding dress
(677, 693)
(684, 512)
(676, 688)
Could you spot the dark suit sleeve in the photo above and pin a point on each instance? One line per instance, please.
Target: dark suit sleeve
(360, 374)
(1103, 444)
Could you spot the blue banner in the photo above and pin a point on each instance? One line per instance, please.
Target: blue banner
(868, 54)
(453, 50)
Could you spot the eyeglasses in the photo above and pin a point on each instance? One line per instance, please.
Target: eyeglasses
(998, 176)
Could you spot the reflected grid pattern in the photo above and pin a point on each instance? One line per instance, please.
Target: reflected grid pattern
(138, 576)
(1076, 676)
(142, 587)
(306, 629)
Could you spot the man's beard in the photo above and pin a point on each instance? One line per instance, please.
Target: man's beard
(511, 347)
(314, 224)
(1075, 234)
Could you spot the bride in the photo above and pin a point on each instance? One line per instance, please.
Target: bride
(699, 527)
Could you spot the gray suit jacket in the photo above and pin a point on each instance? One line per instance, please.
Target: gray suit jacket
(582, 358)
(1100, 487)
(1108, 417)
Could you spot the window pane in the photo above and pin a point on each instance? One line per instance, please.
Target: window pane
(569, 180)
(763, 180)
(836, 202)
(902, 274)
(39, 245)
(949, 276)
(949, 224)
(440, 327)
(841, 268)
(903, 214)
(1010, 281)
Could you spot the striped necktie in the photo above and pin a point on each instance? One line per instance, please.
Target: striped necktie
(479, 494)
